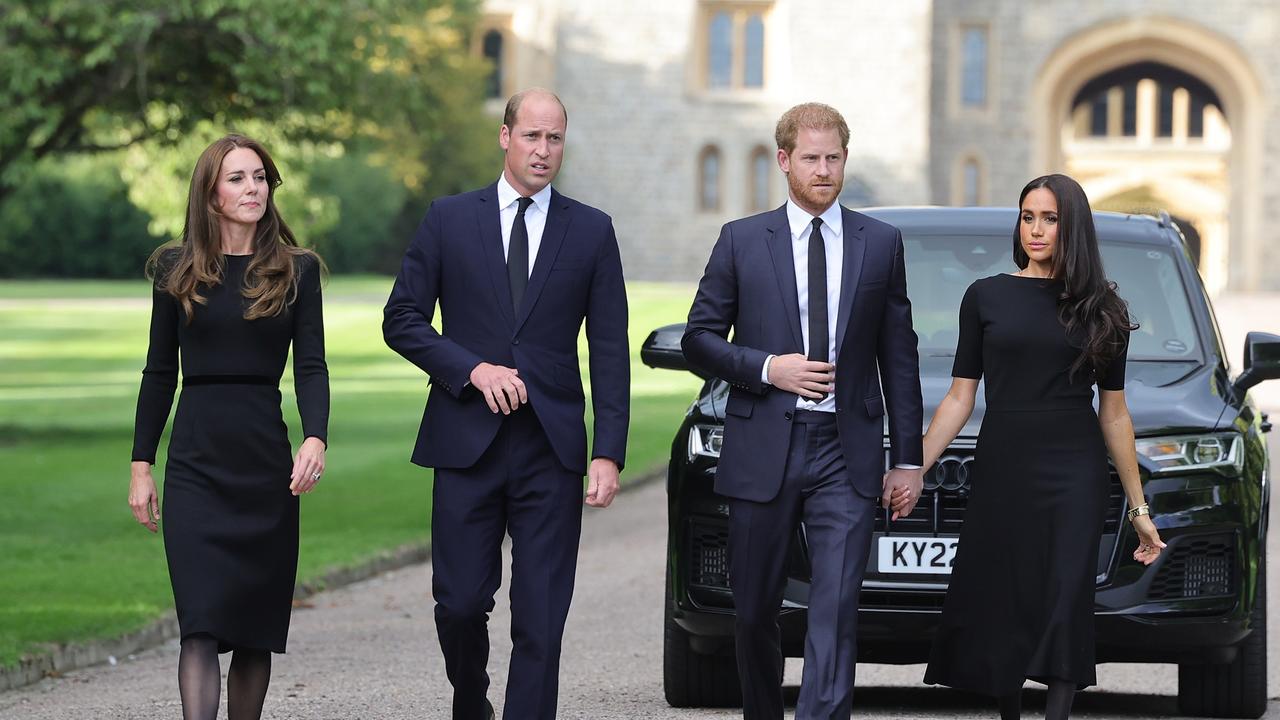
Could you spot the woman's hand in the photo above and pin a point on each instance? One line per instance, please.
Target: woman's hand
(308, 466)
(143, 500)
(1149, 542)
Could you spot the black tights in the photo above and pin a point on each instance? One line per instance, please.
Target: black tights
(1057, 705)
(200, 680)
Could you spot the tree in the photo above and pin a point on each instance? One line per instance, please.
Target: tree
(84, 76)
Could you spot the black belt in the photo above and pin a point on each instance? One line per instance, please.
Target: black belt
(814, 417)
(194, 380)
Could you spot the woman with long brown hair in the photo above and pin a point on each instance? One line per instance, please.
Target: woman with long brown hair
(1020, 602)
(229, 300)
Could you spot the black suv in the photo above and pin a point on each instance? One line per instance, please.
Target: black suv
(1201, 449)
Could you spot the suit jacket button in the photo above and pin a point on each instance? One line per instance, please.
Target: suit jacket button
(787, 415)
(516, 341)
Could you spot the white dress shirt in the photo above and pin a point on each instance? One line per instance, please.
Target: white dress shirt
(801, 223)
(535, 217)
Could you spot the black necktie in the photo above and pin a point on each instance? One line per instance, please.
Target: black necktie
(518, 255)
(817, 296)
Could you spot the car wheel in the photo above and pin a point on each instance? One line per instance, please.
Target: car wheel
(1237, 689)
(693, 679)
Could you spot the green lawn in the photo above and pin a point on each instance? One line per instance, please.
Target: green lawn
(74, 563)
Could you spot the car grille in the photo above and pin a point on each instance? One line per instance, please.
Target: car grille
(942, 505)
(708, 554)
(1199, 567)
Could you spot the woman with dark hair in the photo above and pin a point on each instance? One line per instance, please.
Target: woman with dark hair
(229, 300)
(1021, 596)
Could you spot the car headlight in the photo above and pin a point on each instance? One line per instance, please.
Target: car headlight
(1186, 453)
(705, 441)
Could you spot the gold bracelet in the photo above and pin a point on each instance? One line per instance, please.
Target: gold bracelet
(1134, 512)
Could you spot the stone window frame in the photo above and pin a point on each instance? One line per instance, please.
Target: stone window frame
(739, 12)
(705, 203)
(955, 70)
(753, 178)
(959, 188)
(502, 24)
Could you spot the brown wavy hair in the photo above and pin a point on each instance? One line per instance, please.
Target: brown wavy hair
(1094, 315)
(271, 280)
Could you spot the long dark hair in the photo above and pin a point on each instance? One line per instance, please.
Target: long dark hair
(1088, 306)
(271, 280)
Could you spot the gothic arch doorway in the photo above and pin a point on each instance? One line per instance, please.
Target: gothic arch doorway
(1162, 110)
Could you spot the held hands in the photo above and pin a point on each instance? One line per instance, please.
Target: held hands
(142, 495)
(798, 374)
(308, 465)
(602, 482)
(1149, 542)
(902, 488)
(501, 387)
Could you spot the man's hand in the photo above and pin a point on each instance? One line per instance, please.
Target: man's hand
(501, 387)
(602, 482)
(902, 489)
(798, 374)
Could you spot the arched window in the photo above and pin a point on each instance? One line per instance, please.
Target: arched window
(761, 171)
(709, 179)
(753, 52)
(720, 51)
(971, 182)
(491, 47)
(973, 67)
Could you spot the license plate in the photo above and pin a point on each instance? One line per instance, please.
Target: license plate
(906, 554)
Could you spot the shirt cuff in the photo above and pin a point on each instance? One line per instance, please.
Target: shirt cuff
(764, 370)
(904, 466)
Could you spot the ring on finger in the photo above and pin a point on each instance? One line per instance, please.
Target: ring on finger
(315, 476)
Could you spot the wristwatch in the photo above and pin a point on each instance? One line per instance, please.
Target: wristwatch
(1134, 512)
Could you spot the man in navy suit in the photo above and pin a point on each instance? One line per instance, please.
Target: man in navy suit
(516, 268)
(816, 296)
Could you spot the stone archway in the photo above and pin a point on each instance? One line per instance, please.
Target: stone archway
(1234, 262)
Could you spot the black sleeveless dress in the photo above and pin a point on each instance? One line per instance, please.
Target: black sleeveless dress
(1021, 596)
(230, 522)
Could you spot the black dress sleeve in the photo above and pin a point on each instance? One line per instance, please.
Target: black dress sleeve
(160, 376)
(968, 362)
(1112, 377)
(310, 372)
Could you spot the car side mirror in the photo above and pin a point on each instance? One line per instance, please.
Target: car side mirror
(1261, 360)
(662, 350)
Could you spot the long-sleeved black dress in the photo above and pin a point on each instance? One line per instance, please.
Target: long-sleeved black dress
(230, 522)
(1020, 601)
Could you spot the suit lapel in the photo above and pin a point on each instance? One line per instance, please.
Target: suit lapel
(495, 260)
(552, 238)
(855, 246)
(785, 268)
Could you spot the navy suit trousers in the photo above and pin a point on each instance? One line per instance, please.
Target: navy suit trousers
(517, 487)
(818, 492)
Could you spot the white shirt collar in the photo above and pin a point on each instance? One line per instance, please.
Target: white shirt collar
(799, 218)
(507, 195)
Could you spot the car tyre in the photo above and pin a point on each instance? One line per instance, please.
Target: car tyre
(693, 679)
(1237, 689)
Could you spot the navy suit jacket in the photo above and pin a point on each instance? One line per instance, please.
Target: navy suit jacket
(456, 259)
(750, 286)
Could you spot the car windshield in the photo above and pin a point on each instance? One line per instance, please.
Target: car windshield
(941, 267)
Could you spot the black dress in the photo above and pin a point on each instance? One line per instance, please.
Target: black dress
(1021, 596)
(230, 522)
